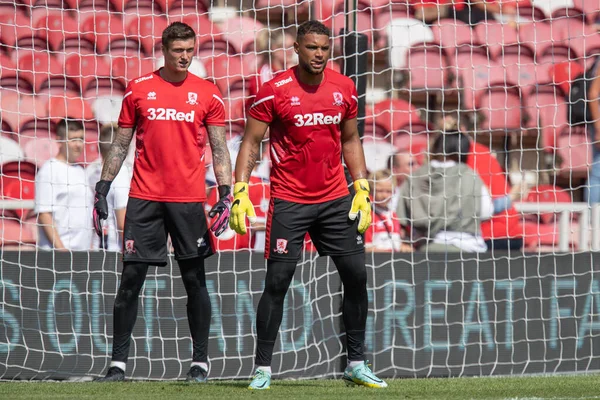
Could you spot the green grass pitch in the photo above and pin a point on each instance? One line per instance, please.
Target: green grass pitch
(536, 387)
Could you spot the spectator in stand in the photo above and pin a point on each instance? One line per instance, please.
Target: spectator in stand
(62, 195)
(445, 200)
(275, 49)
(473, 12)
(117, 195)
(385, 233)
(401, 165)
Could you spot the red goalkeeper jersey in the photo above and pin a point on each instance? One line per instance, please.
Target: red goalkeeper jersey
(305, 135)
(170, 122)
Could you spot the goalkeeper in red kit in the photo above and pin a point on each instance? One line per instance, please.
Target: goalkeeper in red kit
(311, 113)
(170, 110)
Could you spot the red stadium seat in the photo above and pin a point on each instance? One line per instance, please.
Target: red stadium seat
(102, 28)
(547, 194)
(39, 68)
(476, 78)
(10, 79)
(547, 41)
(209, 35)
(15, 188)
(547, 108)
(12, 26)
(395, 114)
(591, 8)
(500, 108)
(575, 149)
(18, 108)
(148, 29)
(128, 68)
(13, 234)
(240, 32)
(496, 35)
(450, 34)
(89, 71)
(428, 68)
(62, 107)
(61, 32)
(182, 7)
(92, 5)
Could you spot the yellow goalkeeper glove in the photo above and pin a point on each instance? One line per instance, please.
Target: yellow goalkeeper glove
(361, 205)
(242, 207)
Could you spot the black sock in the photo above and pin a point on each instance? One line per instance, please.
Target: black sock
(198, 306)
(270, 308)
(126, 308)
(353, 274)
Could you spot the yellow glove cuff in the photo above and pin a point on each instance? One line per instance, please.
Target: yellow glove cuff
(362, 185)
(239, 188)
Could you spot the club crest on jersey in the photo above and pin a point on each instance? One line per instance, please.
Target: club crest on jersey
(338, 99)
(281, 246)
(151, 95)
(129, 247)
(295, 101)
(192, 98)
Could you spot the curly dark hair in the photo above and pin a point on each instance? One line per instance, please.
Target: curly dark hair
(312, 26)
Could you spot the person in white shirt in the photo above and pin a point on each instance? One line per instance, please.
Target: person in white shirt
(62, 196)
(117, 196)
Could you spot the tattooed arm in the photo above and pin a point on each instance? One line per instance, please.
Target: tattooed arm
(250, 149)
(220, 154)
(116, 154)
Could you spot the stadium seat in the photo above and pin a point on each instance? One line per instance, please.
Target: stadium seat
(103, 29)
(364, 25)
(39, 68)
(582, 39)
(90, 72)
(182, 7)
(10, 150)
(14, 26)
(148, 29)
(40, 150)
(450, 33)
(89, 6)
(591, 8)
(224, 69)
(547, 41)
(127, 68)
(18, 188)
(12, 233)
(575, 149)
(402, 35)
(395, 114)
(210, 39)
(428, 68)
(500, 108)
(18, 108)
(10, 79)
(374, 129)
(496, 35)
(547, 194)
(240, 32)
(477, 77)
(73, 107)
(548, 110)
(62, 32)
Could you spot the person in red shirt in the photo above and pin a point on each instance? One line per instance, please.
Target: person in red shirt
(171, 112)
(504, 230)
(311, 112)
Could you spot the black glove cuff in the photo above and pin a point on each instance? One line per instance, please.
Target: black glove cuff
(224, 191)
(103, 187)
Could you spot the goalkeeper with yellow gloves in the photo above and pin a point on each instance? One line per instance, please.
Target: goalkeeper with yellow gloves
(311, 115)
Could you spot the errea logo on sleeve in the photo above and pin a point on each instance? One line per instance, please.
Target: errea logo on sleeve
(170, 114)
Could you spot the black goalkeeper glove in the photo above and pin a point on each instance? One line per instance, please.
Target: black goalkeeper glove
(100, 212)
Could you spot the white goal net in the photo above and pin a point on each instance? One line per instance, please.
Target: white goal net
(459, 293)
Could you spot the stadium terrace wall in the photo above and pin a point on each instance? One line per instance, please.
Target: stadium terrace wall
(429, 316)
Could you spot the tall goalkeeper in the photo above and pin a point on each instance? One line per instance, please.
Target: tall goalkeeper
(311, 112)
